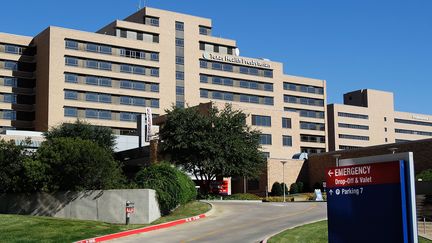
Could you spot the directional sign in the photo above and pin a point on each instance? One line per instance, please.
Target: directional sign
(368, 203)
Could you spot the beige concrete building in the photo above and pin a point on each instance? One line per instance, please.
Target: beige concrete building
(153, 58)
(368, 118)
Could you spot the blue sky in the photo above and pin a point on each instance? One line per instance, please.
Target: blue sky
(384, 45)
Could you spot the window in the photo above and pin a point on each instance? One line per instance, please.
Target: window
(154, 72)
(286, 140)
(9, 115)
(91, 97)
(203, 30)
(261, 120)
(268, 73)
(125, 68)
(286, 122)
(420, 123)
(91, 47)
(138, 101)
(125, 84)
(153, 21)
(9, 98)
(227, 67)
(71, 44)
(105, 98)
(423, 133)
(91, 80)
(91, 64)
(306, 113)
(268, 101)
(154, 56)
(353, 126)
(203, 93)
(244, 70)
(265, 139)
(312, 126)
(138, 70)
(154, 103)
(203, 78)
(71, 78)
(217, 95)
(228, 82)
(105, 115)
(90, 113)
(179, 60)
(138, 86)
(106, 82)
(70, 61)
(154, 87)
(180, 104)
(179, 90)
(125, 100)
(385, 119)
(71, 112)
(179, 42)
(179, 75)
(125, 116)
(244, 84)
(179, 26)
(11, 65)
(268, 87)
(71, 95)
(385, 129)
(203, 64)
(216, 80)
(303, 100)
(228, 96)
(8, 81)
(105, 49)
(216, 66)
(105, 66)
(312, 138)
(303, 88)
(354, 137)
(266, 155)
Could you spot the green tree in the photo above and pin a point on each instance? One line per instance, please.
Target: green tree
(77, 164)
(294, 188)
(425, 175)
(276, 189)
(12, 166)
(173, 187)
(215, 144)
(80, 129)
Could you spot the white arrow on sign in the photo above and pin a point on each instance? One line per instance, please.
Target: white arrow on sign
(331, 192)
(330, 173)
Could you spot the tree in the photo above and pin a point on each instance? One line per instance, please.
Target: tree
(12, 166)
(77, 164)
(276, 189)
(425, 175)
(215, 144)
(294, 188)
(80, 129)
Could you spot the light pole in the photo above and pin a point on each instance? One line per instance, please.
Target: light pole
(283, 178)
(393, 150)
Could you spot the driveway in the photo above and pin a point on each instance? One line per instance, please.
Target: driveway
(238, 222)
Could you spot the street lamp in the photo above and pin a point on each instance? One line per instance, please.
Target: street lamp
(393, 150)
(337, 156)
(283, 178)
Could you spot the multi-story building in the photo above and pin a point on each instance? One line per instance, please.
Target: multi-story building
(368, 118)
(156, 59)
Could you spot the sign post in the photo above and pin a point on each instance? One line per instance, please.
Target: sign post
(372, 199)
(130, 209)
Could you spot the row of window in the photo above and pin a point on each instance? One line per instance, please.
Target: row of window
(125, 68)
(10, 65)
(104, 49)
(413, 132)
(179, 41)
(236, 82)
(312, 138)
(8, 115)
(220, 95)
(312, 126)
(311, 150)
(107, 98)
(265, 121)
(353, 126)
(210, 47)
(346, 147)
(204, 30)
(101, 114)
(306, 113)
(353, 115)
(153, 21)
(236, 68)
(303, 88)
(420, 123)
(266, 139)
(138, 35)
(108, 82)
(19, 50)
(303, 100)
(354, 137)
(9, 81)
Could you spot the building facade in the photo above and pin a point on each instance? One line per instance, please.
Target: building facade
(368, 118)
(154, 58)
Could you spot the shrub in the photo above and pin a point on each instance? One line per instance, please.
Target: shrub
(300, 186)
(294, 188)
(242, 196)
(276, 189)
(425, 175)
(173, 187)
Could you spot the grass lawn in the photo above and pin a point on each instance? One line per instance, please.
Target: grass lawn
(310, 233)
(20, 228)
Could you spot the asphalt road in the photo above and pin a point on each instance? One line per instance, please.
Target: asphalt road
(237, 222)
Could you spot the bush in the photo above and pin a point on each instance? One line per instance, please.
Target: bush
(76, 164)
(425, 175)
(294, 188)
(242, 196)
(173, 187)
(279, 199)
(276, 189)
(300, 186)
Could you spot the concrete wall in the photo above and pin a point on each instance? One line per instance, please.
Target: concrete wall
(107, 206)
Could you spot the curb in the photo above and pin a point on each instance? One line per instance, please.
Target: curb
(310, 222)
(148, 228)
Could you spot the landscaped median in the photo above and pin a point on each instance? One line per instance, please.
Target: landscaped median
(311, 233)
(20, 228)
